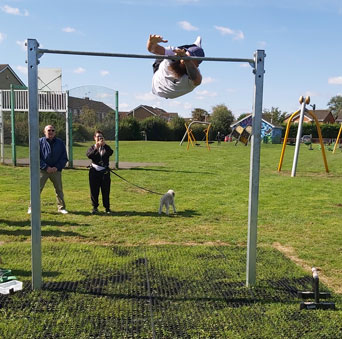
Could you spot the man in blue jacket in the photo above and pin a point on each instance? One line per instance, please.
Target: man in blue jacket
(53, 158)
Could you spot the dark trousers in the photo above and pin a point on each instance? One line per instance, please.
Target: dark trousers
(99, 180)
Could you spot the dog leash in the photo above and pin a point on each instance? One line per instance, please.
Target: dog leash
(142, 188)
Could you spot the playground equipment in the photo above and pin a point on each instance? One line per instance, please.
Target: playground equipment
(315, 294)
(242, 134)
(337, 139)
(191, 137)
(33, 55)
(303, 101)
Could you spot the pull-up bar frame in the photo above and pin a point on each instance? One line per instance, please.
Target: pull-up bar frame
(33, 55)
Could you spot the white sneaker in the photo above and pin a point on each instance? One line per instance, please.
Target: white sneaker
(29, 210)
(63, 211)
(198, 42)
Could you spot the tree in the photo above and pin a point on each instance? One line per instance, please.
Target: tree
(274, 115)
(335, 105)
(221, 119)
(129, 129)
(199, 114)
(177, 126)
(88, 117)
(241, 116)
(155, 128)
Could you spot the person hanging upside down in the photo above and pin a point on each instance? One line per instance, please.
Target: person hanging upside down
(174, 78)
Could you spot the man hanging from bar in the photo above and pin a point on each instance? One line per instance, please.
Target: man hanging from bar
(174, 78)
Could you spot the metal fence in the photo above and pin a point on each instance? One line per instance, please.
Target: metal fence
(47, 101)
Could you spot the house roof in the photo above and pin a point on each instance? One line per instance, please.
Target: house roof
(79, 103)
(3, 67)
(248, 116)
(321, 114)
(153, 110)
(339, 117)
(159, 112)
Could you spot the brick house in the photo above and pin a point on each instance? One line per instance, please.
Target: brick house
(143, 111)
(324, 116)
(8, 77)
(77, 105)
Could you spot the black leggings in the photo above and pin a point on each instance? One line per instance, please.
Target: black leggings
(99, 180)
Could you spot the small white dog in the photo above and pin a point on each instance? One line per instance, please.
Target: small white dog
(167, 199)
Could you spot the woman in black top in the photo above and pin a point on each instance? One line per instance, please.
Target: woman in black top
(99, 175)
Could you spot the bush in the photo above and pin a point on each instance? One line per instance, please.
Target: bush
(129, 129)
(177, 128)
(156, 129)
(328, 130)
(81, 133)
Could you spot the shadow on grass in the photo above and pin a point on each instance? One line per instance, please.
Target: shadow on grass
(27, 223)
(185, 214)
(22, 273)
(50, 233)
(170, 171)
(234, 294)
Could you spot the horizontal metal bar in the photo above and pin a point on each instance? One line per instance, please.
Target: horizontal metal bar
(140, 56)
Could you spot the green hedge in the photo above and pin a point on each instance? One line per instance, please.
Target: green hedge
(328, 130)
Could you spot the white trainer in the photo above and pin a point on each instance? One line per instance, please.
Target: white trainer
(29, 210)
(63, 211)
(198, 42)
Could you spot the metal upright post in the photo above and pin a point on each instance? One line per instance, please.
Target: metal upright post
(14, 151)
(68, 130)
(299, 135)
(254, 168)
(32, 58)
(116, 129)
(2, 139)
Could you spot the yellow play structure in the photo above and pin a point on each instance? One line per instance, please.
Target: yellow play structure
(191, 138)
(337, 139)
(304, 101)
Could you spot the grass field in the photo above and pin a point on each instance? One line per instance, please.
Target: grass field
(138, 274)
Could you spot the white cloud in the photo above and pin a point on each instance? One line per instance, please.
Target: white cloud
(311, 94)
(14, 11)
(103, 95)
(188, 106)
(104, 73)
(205, 93)
(207, 80)
(187, 26)
(262, 44)
(237, 35)
(21, 44)
(22, 69)
(123, 107)
(79, 70)
(68, 29)
(174, 103)
(335, 81)
(146, 96)
(2, 37)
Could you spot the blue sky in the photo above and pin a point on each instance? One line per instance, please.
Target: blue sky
(302, 41)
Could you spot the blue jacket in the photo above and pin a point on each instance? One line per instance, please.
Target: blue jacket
(52, 154)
